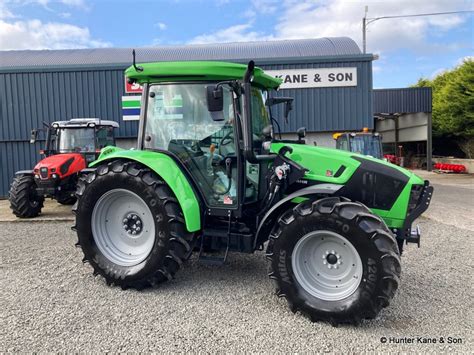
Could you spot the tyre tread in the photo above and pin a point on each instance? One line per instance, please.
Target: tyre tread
(387, 247)
(179, 240)
(19, 200)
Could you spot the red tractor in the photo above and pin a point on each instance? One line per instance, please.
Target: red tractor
(70, 146)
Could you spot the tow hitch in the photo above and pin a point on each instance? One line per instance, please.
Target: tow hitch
(414, 236)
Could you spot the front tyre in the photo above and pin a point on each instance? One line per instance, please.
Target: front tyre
(130, 226)
(333, 260)
(24, 199)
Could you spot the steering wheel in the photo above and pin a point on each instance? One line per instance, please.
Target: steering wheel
(227, 139)
(224, 142)
(194, 149)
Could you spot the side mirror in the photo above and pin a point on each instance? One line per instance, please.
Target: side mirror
(215, 102)
(301, 132)
(267, 131)
(34, 136)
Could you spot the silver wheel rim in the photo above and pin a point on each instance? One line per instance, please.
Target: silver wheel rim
(326, 265)
(123, 227)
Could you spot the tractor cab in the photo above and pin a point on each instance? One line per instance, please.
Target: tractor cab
(85, 136)
(365, 143)
(199, 124)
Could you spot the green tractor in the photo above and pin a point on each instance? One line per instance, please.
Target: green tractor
(210, 177)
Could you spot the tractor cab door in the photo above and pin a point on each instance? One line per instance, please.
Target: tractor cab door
(342, 142)
(255, 174)
(104, 136)
(178, 123)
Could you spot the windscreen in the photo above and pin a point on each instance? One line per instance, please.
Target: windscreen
(367, 144)
(79, 140)
(178, 114)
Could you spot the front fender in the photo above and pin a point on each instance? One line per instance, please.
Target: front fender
(266, 225)
(24, 173)
(169, 171)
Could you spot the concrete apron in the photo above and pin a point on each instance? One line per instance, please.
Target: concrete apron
(52, 211)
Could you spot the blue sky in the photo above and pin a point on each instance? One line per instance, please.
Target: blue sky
(407, 48)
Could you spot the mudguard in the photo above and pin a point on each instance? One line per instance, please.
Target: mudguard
(268, 220)
(169, 171)
(24, 173)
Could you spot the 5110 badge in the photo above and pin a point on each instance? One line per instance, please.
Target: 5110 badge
(315, 78)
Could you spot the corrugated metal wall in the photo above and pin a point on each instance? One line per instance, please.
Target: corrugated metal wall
(330, 108)
(29, 97)
(406, 100)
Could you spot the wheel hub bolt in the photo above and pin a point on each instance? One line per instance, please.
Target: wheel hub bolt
(132, 224)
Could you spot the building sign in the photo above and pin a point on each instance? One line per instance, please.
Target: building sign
(315, 78)
(134, 88)
(131, 107)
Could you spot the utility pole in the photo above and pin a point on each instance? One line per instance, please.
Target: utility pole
(367, 21)
(364, 29)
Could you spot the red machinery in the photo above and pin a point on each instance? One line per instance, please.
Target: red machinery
(452, 168)
(70, 146)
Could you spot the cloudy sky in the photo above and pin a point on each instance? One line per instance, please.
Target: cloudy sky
(407, 48)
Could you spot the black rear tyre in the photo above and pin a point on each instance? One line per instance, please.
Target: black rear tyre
(371, 284)
(24, 200)
(170, 243)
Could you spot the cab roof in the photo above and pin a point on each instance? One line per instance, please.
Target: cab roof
(198, 71)
(84, 122)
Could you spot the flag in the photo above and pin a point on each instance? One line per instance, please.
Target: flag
(131, 107)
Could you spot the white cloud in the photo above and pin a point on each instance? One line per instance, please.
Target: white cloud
(318, 18)
(162, 26)
(303, 19)
(34, 34)
(461, 60)
(265, 6)
(46, 3)
(16, 32)
(437, 72)
(75, 3)
(5, 13)
(236, 33)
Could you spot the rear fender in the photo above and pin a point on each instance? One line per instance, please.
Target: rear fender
(169, 171)
(270, 218)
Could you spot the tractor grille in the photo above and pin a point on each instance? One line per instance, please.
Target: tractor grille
(375, 185)
(44, 173)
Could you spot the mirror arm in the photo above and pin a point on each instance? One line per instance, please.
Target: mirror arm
(48, 140)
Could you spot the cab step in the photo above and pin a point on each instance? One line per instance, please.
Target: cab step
(216, 243)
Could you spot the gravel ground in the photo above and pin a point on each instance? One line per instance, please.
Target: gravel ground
(52, 211)
(51, 302)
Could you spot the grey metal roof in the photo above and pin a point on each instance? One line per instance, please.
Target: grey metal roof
(303, 48)
(403, 100)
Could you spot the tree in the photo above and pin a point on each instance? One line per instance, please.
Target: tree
(453, 104)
